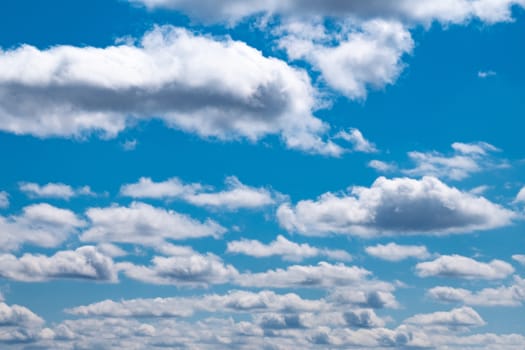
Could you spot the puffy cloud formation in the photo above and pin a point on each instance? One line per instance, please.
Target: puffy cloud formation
(16, 315)
(214, 88)
(53, 190)
(396, 252)
(520, 197)
(519, 258)
(464, 317)
(394, 206)
(82, 263)
(283, 247)
(512, 295)
(235, 196)
(468, 158)
(40, 225)
(413, 11)
(367, 55)
(144, 224)
(190, 269)
(234, 301)
(457, 266)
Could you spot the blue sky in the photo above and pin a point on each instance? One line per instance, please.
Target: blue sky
(241, 175)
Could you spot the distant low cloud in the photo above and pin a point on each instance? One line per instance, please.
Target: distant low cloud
(235, 196)
(288, 250)
(395, 252)
(399, 206)
(357, 140)
(456, 319)
(54, 190)
(457, 266)
(510, 295)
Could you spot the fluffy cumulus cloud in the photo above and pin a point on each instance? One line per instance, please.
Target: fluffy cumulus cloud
(143, 224)
(287, 249)
(212, 87)
(511, 295)
(16, 315)
(53, 190)
(414, 11)
(394, 206)
(366, 56)
(190, 269)
(457, 266)
(520, 197)
(236, 195)
(519, 258)
(83, 263)
(40, 225)
(464, 317)
(396, 252)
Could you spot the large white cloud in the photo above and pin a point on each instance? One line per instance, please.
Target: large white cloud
(83, 263)
(457, 266)
(394, 206)
(211, 87)
(16, 315)
(511, 295)
(420, 11)
(287, 249)
(40, 225)
(236, 195)
(366, 56)
(141, 223)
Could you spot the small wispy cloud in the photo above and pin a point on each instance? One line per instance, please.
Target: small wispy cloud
(486, 73)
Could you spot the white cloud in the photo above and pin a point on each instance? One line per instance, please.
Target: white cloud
(144, 224)
(468, 158)
(129, 145)
(16, 315)
(214, 88)
(184, 270)
(358, 141)
(382, 166)
(395, 252)
(233, 301)
(308, 276)
(455, 319)
(512, 295)
(519, 258)
(235, 196)
(40, 225)
(53, 190)
(411, 11)
(457, 266)
(367, 55)
(486, 74)
(83, 263)
(520, 197)
(397, 206)
(283, 247)
(4, 199)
